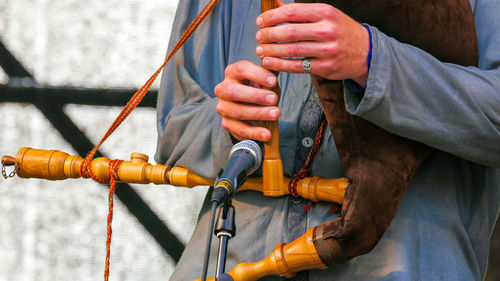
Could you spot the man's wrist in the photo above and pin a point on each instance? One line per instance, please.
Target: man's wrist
(358, 84)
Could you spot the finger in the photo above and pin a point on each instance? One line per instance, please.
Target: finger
(297, 32)
(241, 130)
(233, 91)
(298, 49)
(295, 12)
(240, 111)
(288, 65)
(236, 136)
(245, 70)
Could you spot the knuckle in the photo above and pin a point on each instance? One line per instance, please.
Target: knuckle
(295, 50)
(231, 93)
(289, 31)
(238, 114)
(327, 31)
(225, 124)
(218, 89)
(256, 135)
(275, 65)
(219, 108)
(291, 12)
(282, 65)
(330, 49)
(242, 132)
(297, 67)
(229, 70)
(329, 66)
(241, 66)
(328, 11)
(267, 35)
(260, 115)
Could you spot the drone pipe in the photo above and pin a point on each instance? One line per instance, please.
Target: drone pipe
(57, 165)
(286, 260)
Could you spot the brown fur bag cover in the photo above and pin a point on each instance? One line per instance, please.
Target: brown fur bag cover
(379, 164)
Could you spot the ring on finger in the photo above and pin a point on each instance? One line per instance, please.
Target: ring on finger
(306, 65)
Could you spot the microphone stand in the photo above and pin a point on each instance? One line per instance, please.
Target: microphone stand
(209, 241)
(245, 157)
(224, 230)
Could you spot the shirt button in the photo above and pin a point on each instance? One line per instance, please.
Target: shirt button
(307, 142)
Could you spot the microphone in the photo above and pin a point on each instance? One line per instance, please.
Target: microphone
(245, 157)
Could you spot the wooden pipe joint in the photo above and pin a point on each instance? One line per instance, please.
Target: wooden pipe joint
(307, 188)
(301, 254)
(47, 164)
(318, 189)
(279, 265)
(273, 182)
(136, 170)
(286, 260)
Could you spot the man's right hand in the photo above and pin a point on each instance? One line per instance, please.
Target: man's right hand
(243, 103)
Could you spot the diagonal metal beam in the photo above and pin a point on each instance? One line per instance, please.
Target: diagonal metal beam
(10, 65)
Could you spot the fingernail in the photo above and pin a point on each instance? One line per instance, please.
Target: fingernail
(258, 36)
(271, 80)
(273, 113)
(259, 50)
(266, 62)
(259, 21)
(271, 99)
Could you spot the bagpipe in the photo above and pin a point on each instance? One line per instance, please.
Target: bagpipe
(378, 165)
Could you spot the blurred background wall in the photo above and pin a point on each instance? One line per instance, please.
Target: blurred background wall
(67, 67)
(80, 50)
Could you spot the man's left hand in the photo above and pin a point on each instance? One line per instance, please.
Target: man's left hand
(336, 45)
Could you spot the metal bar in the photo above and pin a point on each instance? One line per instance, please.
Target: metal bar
(10, 65)
(68, 95)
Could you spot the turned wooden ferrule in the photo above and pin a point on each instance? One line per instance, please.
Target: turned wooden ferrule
(301, 254)
(319, 189)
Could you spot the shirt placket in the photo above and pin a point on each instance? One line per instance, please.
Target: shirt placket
(306, 130)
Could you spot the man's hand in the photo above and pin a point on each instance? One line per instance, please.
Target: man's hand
(336, 44)
(242, 102)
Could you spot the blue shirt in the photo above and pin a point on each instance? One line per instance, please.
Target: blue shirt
(442, 228)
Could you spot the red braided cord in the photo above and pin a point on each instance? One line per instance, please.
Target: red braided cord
(85, 170)
(114, 165)
(304, 171)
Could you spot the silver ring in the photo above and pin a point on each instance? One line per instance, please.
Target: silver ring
(306, 65)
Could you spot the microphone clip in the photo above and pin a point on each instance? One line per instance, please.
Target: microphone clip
(224, 188)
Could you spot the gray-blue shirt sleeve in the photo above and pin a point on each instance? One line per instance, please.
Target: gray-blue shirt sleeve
(189, 132)
(446, 106)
